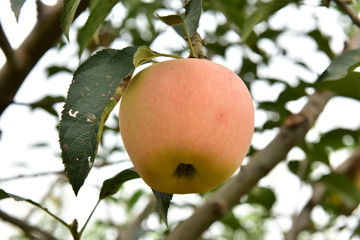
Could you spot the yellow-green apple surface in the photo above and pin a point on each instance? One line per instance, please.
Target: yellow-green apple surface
(186, 124)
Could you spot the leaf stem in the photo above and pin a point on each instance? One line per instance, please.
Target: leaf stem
(188, 38)
(88, 219)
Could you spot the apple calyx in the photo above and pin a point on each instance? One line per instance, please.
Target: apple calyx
(184, 170)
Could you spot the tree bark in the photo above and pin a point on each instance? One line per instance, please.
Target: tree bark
(44, 36)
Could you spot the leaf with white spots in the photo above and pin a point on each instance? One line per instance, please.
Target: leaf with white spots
(96, 88)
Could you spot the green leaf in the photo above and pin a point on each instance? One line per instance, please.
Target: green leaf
(171, 20)
(263, 11)
(112, 185)
(163, 203)
(263, 196)
(97, 16)
(343, 186)
(52, 70)
(47, 104)
(95, 90)
(68, 14)
(143, 55)
(3, 194)
(349, 86)
(322, 42)
(341, 66)
(16, 6)
(193, 12)
(189, 21)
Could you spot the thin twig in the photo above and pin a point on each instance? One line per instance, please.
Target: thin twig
(22, 176)
(353, 15)
(30, 230)
(134, 230)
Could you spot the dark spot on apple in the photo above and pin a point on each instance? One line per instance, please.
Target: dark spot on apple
(184, 170)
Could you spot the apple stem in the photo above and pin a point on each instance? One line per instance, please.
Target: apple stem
(198, 43)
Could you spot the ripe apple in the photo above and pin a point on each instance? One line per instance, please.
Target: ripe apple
(186, 124)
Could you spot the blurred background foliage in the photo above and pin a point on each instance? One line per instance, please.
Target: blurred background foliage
(279, 48)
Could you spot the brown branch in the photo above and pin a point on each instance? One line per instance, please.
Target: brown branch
(134, 230)
(6, 46)
(45, 34)
(353, 15)
(29, 230)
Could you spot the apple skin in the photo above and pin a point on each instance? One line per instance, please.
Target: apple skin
(186, 124)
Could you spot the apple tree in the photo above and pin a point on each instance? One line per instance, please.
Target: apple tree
(299, 60)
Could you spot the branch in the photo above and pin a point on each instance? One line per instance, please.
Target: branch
(45, 34)
(134, 230)
(301, 222)
(353, 15)
(6, 47)
(29, 230)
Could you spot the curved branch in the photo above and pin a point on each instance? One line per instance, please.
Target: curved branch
(45, 34)
(29, 230)
(353, 15)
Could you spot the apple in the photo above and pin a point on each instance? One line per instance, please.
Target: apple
(186, 124)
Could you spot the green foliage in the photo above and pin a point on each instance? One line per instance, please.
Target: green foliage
(262, 12)
(94, 92)
(68, 14)
(163, 203)
(112, 185)
(97, 16)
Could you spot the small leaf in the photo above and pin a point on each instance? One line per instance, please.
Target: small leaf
(68, 14)
(193, 12)
(95, 90)
(47, 103)
(171, 20)
(163, 203)
(192, 15)
(97, 16)
(4, 195)
(341, 66)
(143, 55)
(263, 11)
(343, 186)
(52, 70)
(349, 86)
(16, 6)
(263, 196)
(112, 185)
(322, 42)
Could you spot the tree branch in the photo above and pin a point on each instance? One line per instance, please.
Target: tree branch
(6, 47)
(353, 15)
(134, 230)
(29, 230)
(291, 133)
(45, 34)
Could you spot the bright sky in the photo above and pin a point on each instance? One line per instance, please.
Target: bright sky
(22, 128)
